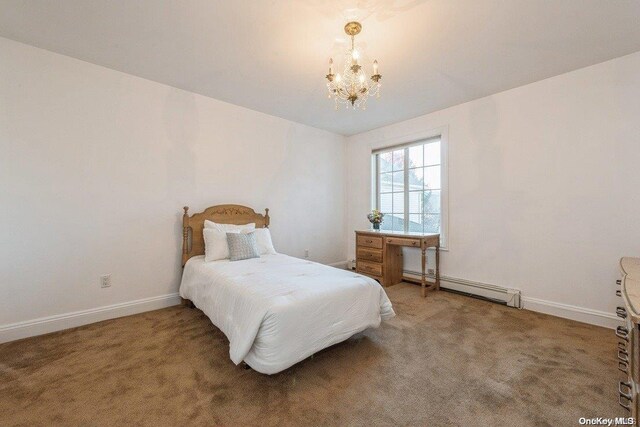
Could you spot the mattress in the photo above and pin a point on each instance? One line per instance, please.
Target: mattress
(277, 310)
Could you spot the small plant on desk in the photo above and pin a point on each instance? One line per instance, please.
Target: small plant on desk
(375, 218)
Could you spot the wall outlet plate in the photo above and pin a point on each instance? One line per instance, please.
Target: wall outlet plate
(105, 281)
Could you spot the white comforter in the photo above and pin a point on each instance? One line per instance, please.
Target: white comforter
(278, 310)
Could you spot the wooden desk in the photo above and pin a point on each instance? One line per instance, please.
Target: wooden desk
(379, 255)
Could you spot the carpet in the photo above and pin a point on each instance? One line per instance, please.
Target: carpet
(447, 360)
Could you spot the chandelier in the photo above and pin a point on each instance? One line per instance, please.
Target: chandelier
(353, 86)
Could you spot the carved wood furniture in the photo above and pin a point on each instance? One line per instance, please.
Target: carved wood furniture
(192, 226)
(192, 238)
(629, 336)
(266, 306)
(379, 255)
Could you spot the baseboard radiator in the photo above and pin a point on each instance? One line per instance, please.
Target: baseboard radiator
(507, 296)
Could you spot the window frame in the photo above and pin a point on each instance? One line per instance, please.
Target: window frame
(405, 143)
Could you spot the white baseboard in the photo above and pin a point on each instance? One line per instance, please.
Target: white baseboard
(566, 311)
(580, 314)
(45, 325)
(467, 286)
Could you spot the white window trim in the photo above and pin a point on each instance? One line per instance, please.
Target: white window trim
(406, 140)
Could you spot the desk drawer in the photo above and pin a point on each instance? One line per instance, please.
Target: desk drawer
(369, 268)
(369, 254)
(403, 242)
(370, 241)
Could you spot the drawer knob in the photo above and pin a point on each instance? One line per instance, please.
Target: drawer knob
(622, 333)
(623, 356)
(625, 399)
(621, 312)
(623, 367)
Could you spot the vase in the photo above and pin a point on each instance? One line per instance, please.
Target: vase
(376, 226)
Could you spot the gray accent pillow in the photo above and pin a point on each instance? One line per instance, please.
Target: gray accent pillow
(242, 246)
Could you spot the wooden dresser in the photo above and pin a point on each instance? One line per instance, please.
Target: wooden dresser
(628, 349)
(379, 255)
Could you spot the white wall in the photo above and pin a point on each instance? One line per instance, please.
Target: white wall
(544, 185)
(96, 165)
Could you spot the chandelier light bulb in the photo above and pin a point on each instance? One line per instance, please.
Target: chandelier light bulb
(353, 86)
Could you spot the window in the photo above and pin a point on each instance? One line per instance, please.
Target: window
(409, 187)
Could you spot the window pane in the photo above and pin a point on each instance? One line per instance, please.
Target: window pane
(398, 222)
(415, 207)
(398, 203)
(431, 201)
(431, 223)
(416, 156)
(398, 160)
(385, 182)
(415, 223)
(432, 153)
(415, 202)
(432, 177)
(416, 180)
(385, 162)
(387, 223)
(398, 181)
(385, 203)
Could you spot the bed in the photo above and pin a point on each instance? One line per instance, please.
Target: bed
(275, 310)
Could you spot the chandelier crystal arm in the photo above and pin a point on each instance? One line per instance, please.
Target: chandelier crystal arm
(353, 87)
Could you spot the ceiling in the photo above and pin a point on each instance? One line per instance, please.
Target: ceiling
(271, 55)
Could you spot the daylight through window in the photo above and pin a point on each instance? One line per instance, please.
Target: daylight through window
(409, 186)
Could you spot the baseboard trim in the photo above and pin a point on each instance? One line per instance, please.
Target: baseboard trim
(467, 286)
(59, 322)
(45, 325)
(567, 311)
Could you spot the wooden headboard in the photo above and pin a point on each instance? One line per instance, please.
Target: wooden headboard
(192, 239)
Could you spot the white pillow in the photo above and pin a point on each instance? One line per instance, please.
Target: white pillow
(229, 228)
(263, 240)
(215, 245)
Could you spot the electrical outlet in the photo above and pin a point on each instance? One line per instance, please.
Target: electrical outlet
(431, 271)
(105, 281)
(306, 253)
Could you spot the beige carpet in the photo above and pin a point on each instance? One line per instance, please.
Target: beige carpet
(444, 360)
